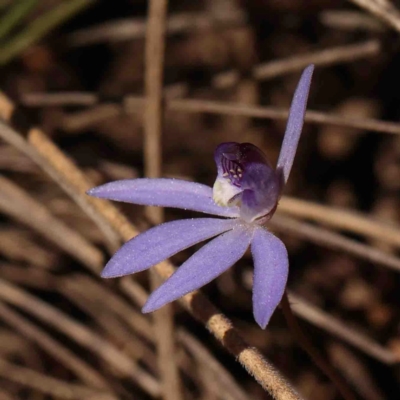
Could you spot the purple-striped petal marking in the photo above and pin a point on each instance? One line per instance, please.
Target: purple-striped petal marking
(206, 264)
(245, 178)
(164, 192)
(163, 241)
(294, 124)
(271, 268)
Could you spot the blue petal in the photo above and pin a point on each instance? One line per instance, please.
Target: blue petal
(270, 274)
(294, 125)
(161, 242)
(164, 193)
(205, 265)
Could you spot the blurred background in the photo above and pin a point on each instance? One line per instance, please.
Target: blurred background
(76, 69)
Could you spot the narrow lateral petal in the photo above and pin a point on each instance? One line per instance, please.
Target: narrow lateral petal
(294, 124)
(205, 265)
(270, 274)
(161, 242)
(164, 192)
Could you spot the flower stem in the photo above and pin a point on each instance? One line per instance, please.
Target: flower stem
(315, 355)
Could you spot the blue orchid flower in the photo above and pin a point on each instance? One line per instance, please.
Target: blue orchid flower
(246, 194)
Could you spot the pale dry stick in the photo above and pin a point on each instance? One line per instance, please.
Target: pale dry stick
(81, 334)
(135, 28)
(17, 203)
(80, 120)
(333, 240)
(11, 343)
(335, 327)
(57, 350)
(19, 245)
(350, 20)
(108, 321)
(29, 277)
(48, 385)
(316, 356)
(154, 64)
(348, 220)
(356, 371)
(326, 57)
(90, 117)
(321, 58)
(214, 107)
(153, 116)
(71, 179)
(383, 10)
(135, 320)
(43, 99)
(7, 113)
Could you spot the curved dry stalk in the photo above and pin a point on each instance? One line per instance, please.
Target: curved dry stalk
(115, 329)
(348, 220)
(48, 385)
(98, 292)
(17, 203)
(339, 329)
(12, 137)
(18, 245)
(81, 334)
(307, 345)
(333, 240)
(76, 184)
(57, 350)
(383, 10)
(355, 371)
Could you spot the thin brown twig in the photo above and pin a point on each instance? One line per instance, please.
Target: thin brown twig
(307, 345)
(317, 117)
(81, 334)
(153, 112)
(356, 371)
(275, 68)
(14, 201)
(348, 220)
(333, 240)
(51, 386)
(57, 350)
(383, 10)
(82, 119)
(19, 245)
(350, 20)
(34, 153)
(109, 322)
(320, 58)
(29, 277)
(337, 328)
(76, 184)
(154, 64)
(135, 28)
(135, 320)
